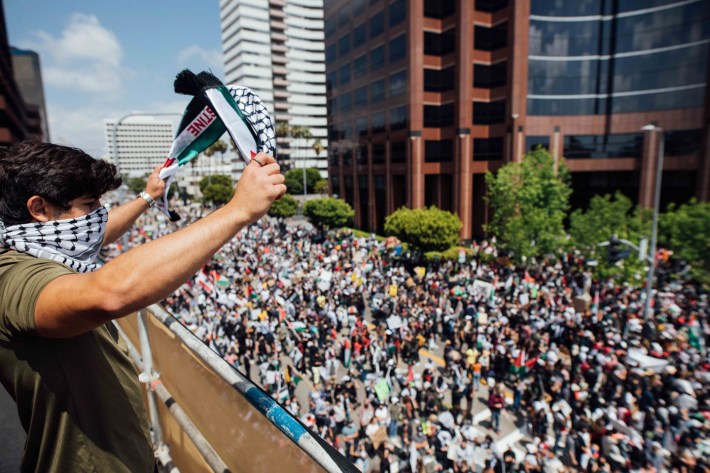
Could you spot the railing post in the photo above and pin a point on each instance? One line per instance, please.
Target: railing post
(148, 377)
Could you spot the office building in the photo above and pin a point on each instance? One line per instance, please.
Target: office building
(28, 77)
(18, 120)
(142, 144)
(426, 96)
(276, 48)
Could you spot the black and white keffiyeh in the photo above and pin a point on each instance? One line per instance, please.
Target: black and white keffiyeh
(74, 242)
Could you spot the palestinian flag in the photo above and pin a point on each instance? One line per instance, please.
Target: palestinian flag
(522, 364)
(214, 110)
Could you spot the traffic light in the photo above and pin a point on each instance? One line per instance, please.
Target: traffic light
(614, 252)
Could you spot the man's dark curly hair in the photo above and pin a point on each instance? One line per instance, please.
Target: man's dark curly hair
(57, 173)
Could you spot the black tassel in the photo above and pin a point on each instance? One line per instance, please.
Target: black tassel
(174, 216)
(187, 83)
(208, 80)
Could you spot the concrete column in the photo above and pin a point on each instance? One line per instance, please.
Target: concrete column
(703, 192)
(556, 146)
(465, 185)
(371, 188)
(356, 189)
(389, 197)
(649, 159)
(415, 171)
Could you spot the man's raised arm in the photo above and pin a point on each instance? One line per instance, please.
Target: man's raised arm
(73, 304)
(121, 218)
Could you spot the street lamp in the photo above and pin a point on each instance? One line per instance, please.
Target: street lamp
(654, 225)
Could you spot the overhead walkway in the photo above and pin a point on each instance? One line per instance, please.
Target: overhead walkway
(207, 416)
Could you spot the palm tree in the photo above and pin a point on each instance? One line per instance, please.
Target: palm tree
(318, 147)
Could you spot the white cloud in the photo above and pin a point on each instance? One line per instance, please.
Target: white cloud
(85, 57)
(198, 57)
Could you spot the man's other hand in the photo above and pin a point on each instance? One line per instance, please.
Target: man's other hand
(258, 187)
(155, 186)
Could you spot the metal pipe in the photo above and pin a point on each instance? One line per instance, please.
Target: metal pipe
(148, 376)
(269, 408)
(203, 446)
(654, 225)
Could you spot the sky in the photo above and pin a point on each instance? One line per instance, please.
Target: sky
(103, 59)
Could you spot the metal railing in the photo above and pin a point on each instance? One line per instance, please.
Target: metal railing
(324, 455)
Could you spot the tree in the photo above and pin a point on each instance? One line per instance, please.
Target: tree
(220, 179)
(283, 208)
(685, 229)
(218, 194)
(217, 189)
(607, 216)
(328, 212)
(529, 202)
(428, 229)
(321, 187)
(136, 184)
(318, 147)
(294, 180)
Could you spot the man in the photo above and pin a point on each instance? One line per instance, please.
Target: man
(495, 403)
(61, 359)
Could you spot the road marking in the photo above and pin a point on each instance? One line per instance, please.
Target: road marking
(438, 360)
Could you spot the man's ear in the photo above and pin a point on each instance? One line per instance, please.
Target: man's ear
(39, 209)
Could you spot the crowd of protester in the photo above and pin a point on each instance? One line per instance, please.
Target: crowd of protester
(565, 360)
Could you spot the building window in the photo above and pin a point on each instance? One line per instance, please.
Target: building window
(347, 161)
(622, 145)
(378, 153)
(440, 44)
(331, 80)
(398, 118)
(533, 142)
(331, 105)
(331, 53)
(344, 14)
(360, 66)
(377, 58)
(398, 152)
(398, 83)
(360, 96)
(683, 142)
(439, 115)
(377, 24)
(378, 122)
(398, 48)
(377, 91)
(332, 156)
(487, 149)
(335, 185)
(439, 80)
(362, 154)
(438, 151)
(438, 8)
(344, 45)
(397, 12)
(490, 39)
(359, 35)
(344, 74)
(491, 6)
(488, 113)
(361, 126)
(345, 102)
(358, 7)
(490, 76)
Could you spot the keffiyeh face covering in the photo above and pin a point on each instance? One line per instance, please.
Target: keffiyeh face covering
(74, 242)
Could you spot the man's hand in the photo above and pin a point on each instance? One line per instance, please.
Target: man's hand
(258, 188)
(155, 186)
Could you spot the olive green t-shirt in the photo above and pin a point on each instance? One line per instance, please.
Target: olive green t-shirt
(78, 398)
